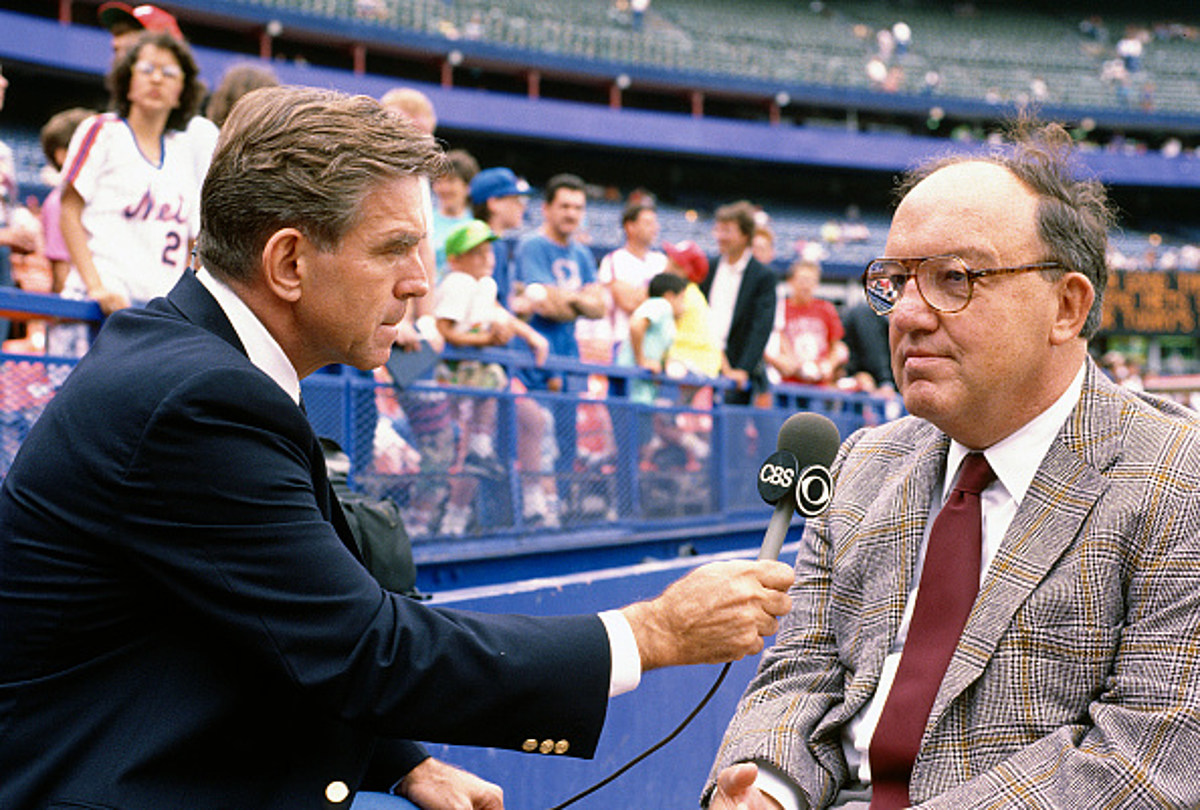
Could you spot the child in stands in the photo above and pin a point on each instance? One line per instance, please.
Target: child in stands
(467, 314)
(652, 331)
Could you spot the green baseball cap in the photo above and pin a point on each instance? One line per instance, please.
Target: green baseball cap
(468, 236)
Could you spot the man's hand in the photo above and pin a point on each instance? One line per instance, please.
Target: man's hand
(434, 785)
(719, 612)
(736, 790)
(737, 375)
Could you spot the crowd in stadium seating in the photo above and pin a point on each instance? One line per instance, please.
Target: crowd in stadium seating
(629, 310)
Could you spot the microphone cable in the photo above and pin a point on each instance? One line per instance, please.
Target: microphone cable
(678, 729)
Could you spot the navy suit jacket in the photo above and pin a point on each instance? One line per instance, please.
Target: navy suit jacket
(753, 318)
(182, 625)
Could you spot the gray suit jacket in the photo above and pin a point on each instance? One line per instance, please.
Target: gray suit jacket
(1076, 683)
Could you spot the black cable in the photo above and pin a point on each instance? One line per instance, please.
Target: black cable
(703, 702)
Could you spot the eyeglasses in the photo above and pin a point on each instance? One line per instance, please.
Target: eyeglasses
(944, 282)
(149, 69)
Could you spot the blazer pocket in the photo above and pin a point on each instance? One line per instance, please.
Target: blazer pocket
(75, 804)
(1058, 668)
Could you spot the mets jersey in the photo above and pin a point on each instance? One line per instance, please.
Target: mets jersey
(139, 216)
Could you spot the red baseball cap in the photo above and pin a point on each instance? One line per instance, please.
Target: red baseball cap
(690, 257)
(151, 18)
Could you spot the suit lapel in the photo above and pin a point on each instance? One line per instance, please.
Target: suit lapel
(1063, 492)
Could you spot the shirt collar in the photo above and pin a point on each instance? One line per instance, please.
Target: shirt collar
(1016, 458)
(262, 349)
(738, 267)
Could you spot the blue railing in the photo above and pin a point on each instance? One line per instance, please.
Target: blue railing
(619, 480)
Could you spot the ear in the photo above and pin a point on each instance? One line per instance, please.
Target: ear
(284, 260)
(1075, 297)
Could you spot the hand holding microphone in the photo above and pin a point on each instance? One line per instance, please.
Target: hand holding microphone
(721, 612)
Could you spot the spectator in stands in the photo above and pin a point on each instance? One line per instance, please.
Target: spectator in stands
(468, 314)
(637, 13)
(557, 275)
(62, 339)
(1129, 48)
(236, 82)
(694, 349)
(762, 244)
(652, 332)
(187, 620)
(741, 294)
(1034, 667)
(554, 281)
(12, 235)
(1123, 370)
(869, 362)
(453, 203)
(626, 272)
(499, 198)
(902, 34)
(130, 205)
(808, 333)
(127, 23)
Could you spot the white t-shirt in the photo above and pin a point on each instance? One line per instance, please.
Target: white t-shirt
(203, 134)
(623, 266)
(139, 216)
(467, 301)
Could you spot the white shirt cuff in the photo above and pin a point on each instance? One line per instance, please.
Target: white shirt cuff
(626, 660)
(772, 782)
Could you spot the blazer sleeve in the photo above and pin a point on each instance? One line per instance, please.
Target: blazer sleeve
(220, 511)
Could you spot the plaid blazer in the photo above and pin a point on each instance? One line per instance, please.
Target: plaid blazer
(1076, 683)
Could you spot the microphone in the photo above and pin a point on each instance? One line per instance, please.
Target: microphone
(796, 475)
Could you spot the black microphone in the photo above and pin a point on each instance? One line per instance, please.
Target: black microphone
(796, 475)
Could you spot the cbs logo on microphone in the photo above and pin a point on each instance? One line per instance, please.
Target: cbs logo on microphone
(811, 488)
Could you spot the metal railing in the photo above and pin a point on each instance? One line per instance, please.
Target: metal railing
(527, 472)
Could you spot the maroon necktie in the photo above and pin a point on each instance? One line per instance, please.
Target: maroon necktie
(949, 584)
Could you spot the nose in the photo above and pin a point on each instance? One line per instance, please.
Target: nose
(415, 280)
(910, 310)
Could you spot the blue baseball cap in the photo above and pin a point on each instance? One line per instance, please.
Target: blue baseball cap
(497, 182)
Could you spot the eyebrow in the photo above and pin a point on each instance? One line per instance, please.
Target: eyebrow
(400, 241)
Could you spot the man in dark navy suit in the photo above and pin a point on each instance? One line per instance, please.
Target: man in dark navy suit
(741, 294)
(184, 622)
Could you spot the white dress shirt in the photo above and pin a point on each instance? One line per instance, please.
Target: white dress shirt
(1015, 460)
(722, 295)
(268, 356)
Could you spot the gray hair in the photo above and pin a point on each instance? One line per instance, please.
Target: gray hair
(1073, 215)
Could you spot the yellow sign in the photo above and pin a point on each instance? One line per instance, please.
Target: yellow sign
(1151, 303)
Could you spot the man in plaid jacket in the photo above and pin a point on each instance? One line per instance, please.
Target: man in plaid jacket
(1075, 681)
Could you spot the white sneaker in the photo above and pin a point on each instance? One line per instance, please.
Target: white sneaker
(455, 520)
(540, 508)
